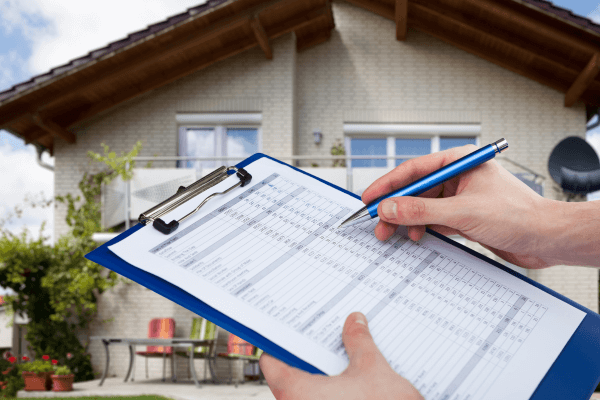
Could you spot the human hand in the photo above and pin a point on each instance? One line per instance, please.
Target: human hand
(368, 375)
(487, 205)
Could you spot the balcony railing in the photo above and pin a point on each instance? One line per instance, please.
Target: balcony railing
(124, 201)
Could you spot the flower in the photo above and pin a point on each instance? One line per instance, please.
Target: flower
(3, 387)
(45, 357)
(25, 358)
(54, 362)
(12, 359)
(7, 371)
(69, 356)
(7, 355)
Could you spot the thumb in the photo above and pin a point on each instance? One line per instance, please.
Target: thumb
(411, 211)
(360, 347)
(282, 378)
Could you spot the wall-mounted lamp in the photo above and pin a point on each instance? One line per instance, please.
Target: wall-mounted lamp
(318, 136)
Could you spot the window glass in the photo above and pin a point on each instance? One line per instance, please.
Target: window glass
(242, 142)
(200, 143)
(368, 147)
(412, 147)
(450, 142)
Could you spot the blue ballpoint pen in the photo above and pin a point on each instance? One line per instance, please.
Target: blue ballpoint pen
(430, 181)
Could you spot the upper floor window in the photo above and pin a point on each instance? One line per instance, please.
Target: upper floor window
(218, 135)
(410, 140)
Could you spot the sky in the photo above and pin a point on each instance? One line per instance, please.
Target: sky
(37, 35)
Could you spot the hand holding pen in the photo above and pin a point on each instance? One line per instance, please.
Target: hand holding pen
(488, 205)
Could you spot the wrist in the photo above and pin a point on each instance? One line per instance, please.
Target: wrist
(571, 233)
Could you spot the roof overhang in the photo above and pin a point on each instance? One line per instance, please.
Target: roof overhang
(528, 37)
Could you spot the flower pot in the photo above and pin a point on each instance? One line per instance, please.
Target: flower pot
(37, 381)
(62, 383)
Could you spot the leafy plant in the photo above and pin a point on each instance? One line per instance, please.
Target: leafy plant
(338, 150)
(11, 380)
(55, 285)
(37, 366)
(62, 370)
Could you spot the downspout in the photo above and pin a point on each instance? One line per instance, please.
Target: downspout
(40, 151)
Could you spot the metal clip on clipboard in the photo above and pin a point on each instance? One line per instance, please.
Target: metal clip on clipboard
(187, 193)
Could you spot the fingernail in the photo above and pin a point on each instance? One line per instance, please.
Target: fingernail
(389, 209)
(361, 319)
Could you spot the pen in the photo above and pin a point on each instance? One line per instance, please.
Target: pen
(430, 181)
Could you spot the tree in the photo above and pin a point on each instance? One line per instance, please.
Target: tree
(56, 286)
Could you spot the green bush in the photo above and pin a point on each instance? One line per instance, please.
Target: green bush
(56, 286)
(36, 366)
(11, 380)
(62, 370)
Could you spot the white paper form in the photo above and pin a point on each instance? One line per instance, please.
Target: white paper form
(269, 256)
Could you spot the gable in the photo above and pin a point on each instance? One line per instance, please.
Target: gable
(527, 37)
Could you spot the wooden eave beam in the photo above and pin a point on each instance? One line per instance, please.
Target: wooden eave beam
(401, 19)
(449, 36)
(54, 129)
(538, 44)
(161, 79)
(313, 40)
(583, 81)
(261, 37)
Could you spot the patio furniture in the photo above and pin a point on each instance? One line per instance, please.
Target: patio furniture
(163, 328)
(239, 349)
(202, 329)
(132, 342)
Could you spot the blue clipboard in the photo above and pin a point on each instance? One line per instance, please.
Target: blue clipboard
(574, 375)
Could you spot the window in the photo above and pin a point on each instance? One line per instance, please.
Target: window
(408, 140)
(218, 135)
(368, 147)
(450, 142)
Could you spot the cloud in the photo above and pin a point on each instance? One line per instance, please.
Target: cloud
(25, 178)
(9, 64)
(595, 15)
(60, 31)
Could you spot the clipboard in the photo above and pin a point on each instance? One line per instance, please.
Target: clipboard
(574, 374)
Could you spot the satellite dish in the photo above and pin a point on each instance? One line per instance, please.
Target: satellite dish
(575, 166)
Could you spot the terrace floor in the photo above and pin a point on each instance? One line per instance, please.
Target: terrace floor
(183, 390)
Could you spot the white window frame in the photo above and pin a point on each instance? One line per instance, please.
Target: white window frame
(391, 132)
(220, 123)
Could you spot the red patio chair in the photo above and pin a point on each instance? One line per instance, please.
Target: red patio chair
(239, 349)
(163, 328)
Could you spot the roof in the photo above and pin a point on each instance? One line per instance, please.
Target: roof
(548, 6)
(109, 48)
(534, 38)
(565, 14)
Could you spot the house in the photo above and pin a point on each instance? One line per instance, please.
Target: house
(385, 77)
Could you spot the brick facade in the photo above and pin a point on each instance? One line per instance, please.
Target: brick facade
(361, 74)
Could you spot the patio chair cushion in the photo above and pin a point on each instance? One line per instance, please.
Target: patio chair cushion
(238, 348)
(202, 329)
(163, 328)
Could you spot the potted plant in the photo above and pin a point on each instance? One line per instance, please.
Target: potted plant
(62, 380)
(37, 374)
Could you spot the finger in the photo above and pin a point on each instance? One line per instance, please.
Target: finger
(282, 378)
(361, 349)
(412, 170)
(384, 230)
(416, 232)
(412, 211)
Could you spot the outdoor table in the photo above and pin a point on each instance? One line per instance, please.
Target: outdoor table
(173, 342)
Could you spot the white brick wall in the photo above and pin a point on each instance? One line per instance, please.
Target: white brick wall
(362, 74)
